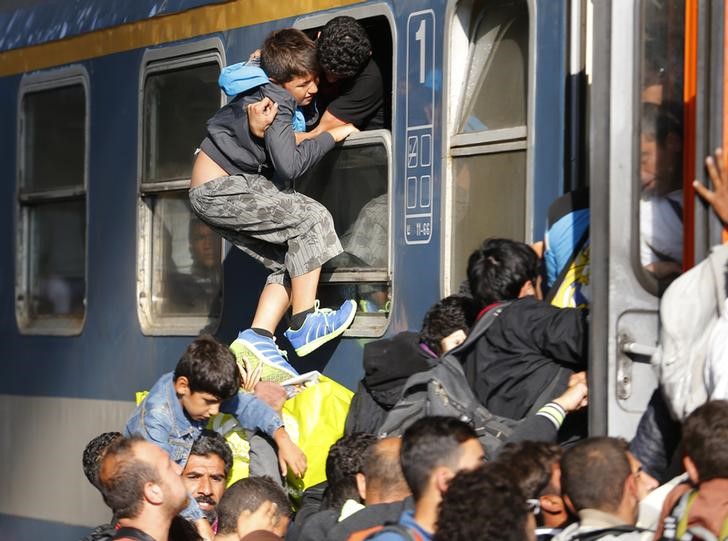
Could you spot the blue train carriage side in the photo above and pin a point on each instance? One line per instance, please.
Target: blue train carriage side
(107, 276)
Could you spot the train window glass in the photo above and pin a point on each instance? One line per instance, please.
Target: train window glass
(352, 182)
(498, 75)
(489, 195)
(487, 189)
(180, 258)
(660, 143)
(177, 104)
(51, 278)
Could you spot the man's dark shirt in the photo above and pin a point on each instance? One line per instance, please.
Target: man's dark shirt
(359, 100)
(521, 354)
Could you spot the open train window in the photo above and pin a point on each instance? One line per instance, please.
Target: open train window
(53, 163)
(353, 182)
(487, 191)
(179, 257)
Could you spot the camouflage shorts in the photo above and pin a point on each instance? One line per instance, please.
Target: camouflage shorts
(288, 232)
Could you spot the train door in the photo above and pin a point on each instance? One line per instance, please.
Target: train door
(654, 94)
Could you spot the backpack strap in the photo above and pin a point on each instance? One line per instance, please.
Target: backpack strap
(675, 524)
(601, 532)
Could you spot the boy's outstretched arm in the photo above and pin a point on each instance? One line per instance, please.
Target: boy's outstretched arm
(290, 457)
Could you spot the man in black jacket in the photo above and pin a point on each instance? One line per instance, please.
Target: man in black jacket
(526, 357)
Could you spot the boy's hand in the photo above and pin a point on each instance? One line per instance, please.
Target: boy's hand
(339, 133)
(576, 395)
(271, 393)
(289, 455)
(261, 115)
(718, 196)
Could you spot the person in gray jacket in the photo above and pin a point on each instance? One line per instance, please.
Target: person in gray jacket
(242, 187)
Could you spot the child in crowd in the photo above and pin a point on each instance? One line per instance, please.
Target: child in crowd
(242, 187)
(529, 353)
(205, 382)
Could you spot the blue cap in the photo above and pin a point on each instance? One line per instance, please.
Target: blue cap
(238, 78)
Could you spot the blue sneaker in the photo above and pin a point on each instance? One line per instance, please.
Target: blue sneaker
(256, 350)
(320, 327)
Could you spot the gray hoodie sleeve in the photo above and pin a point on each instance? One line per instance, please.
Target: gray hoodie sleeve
(289, 160)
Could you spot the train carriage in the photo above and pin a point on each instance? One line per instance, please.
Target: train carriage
(494, 109)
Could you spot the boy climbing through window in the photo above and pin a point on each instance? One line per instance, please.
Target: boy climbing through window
(242, 186)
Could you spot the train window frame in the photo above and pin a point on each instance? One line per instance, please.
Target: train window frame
(52, 325)
(462, 19)
(155, 61)
(368, 325)
(650, 283)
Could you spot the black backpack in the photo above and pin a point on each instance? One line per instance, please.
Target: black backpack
(444, 390)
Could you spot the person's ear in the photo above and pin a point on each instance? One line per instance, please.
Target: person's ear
(153, 493)
(182, 386)
(551, 503)
(692, 470)
(442, 477)
(361, 486)
(527, 289)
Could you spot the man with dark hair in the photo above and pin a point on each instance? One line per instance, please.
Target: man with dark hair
(700, 507)
(433, 450)
(527, 356)
(206, 472)
(345, 460)
(390, 361)
(383, 490)
(245, 497)
(143, 488)
(355, 91)
(484, 504)
(534, 466)
(599, 483)
(93, 454)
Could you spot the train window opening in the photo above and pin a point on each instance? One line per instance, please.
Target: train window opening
(487, 192)
(51, 264)
(660, 145)
(180, 276)
(352, 182)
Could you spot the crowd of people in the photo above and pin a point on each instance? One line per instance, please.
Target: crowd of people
(504, 455)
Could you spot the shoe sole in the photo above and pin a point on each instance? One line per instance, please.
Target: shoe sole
(320, 341)
(243, 350)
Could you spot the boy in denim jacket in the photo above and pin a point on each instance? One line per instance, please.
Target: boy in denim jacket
(205, 382)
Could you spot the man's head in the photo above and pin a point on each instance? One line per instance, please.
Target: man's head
(434, 449)
(502, 270)
(138, 477)
(288, 56)
(535, 468)
(448, 322)
(660, 148)
(381, 479)
(206, 376)
(248, 495)
(343, 48)
(204, 245)
(344, 462)
(596, 473)
(705, 433)
(206, 471)
(94, 453)
(484, 503)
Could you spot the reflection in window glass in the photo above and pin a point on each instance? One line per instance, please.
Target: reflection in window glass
(351, 182)
(498, 74)
(186, 263)
(177, 105)
(661, 130)
(54, 125)
(57, 282)
(489, 197)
